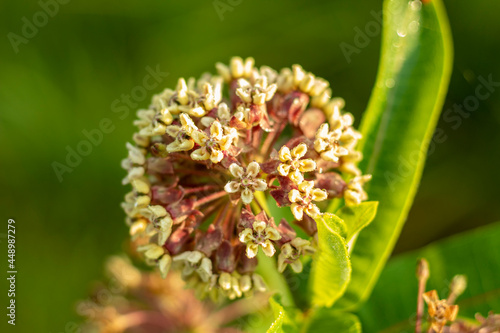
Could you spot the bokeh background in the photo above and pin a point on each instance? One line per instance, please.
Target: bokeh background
(65, 78)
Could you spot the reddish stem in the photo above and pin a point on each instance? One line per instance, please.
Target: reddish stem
(209, 198)
(137, 318)
(200, 188)
(422, 275)
(271, 139)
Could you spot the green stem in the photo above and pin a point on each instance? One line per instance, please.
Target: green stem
(274, 279)
(334, 205)
(267, 266)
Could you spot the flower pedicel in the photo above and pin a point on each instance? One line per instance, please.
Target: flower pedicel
(204, 167)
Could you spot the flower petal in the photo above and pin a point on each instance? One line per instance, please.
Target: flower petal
(268, 248)
(216, 156)
(306, 186)
(216, 130)
(252, 250)
(296, 266)
(154, 252)
(307, 165)
(299, 151)
(200, 154)
(296, 176)
(164, 265)
(259, 226)
(272, 234)
(260, 185)
(197, 112)
(297, 211)
(199, 137)
(318, 195)
(322, 132)
(284, 154)
(294, 195)
(232, 187)
(253, 169)
(187, 123)
(312, 210)
(246, 235)
(236, 170)
(247, 196)
(284, 169)
(281, 263)
(225, 142)
(205, 269)
(329, 155)
(320, 145)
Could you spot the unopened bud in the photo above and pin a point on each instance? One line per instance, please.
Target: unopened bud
(458, 285)
(423, 269)
(159, 150)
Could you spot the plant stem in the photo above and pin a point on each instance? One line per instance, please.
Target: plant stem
(276, 281)
(267, 266)
(422, 275)
(209, 198)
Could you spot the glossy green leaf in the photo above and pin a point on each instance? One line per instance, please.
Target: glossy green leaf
(397, 127)
(285, 318)
(358, 217)
(392, 306)
(328, 320)
(279, 316)
(331, 268)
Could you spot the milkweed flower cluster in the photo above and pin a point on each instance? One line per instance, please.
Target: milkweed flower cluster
(204, 166)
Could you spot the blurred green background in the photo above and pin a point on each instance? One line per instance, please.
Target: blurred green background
(64, 79)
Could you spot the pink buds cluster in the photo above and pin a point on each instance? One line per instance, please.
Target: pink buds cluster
(203, 166)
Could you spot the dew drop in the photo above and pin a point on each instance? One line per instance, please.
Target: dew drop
(389, 83)
(416, 5)
(401, 32)
(413, 26)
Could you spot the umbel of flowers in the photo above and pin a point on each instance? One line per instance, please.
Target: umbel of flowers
(204, 166)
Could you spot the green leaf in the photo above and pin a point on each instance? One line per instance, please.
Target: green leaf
(279, 316)
(392, 306)
(357, 217)
(328, 320)
(285, 317)
(331, 268)
(404, 107)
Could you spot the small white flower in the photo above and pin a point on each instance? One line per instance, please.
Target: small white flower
(259, 235)
(302, 200)
(195, 261)
(181, 134)
(292, 163)
(291, 252)
(156, 255)
(162, 221)
(212, 146)
(354, 193)
(246, 181)
(327, 144)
